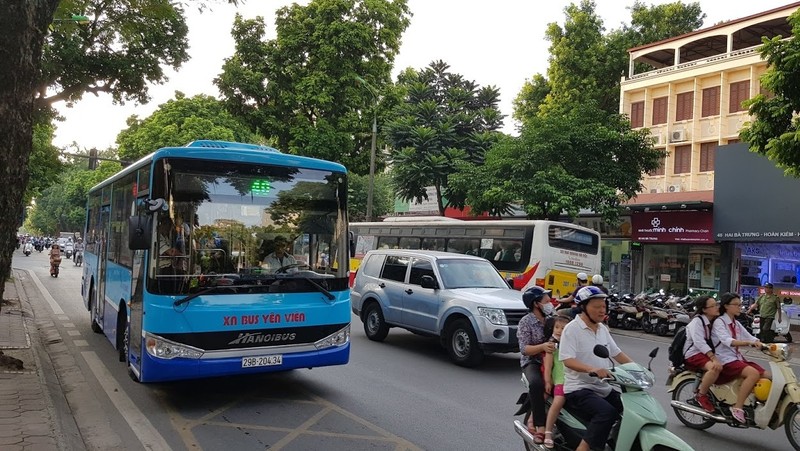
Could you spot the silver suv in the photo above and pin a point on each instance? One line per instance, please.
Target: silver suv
(460, 298)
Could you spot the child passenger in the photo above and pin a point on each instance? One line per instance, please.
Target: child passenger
(554, 375)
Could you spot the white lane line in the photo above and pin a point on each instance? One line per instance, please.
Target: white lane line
(53, 304)
(142, 428)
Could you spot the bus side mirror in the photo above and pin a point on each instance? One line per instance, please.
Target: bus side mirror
(352, 244)
(139, 232)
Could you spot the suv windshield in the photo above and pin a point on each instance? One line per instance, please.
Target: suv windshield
(463, 273)
(248, 226)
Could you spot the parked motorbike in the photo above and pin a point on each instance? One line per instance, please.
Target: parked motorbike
(782, 330)
(78, 258)
(675, 321)
(772, 408)
(642, 426)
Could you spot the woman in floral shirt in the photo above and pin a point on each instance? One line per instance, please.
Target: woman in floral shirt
(533, 345)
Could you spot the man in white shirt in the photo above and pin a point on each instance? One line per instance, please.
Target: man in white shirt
(590, 394)
(278, 258)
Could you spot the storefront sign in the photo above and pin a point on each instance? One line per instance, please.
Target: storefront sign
(683, 227)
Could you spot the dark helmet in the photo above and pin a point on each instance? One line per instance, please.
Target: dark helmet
(590, 292)
(533, 295)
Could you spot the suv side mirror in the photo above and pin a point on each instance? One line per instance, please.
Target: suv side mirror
(427, 281)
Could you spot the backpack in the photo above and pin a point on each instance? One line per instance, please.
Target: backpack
(676, 348)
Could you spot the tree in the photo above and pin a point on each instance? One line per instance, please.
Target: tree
(572, 158)
(301, 90)
(587, 62)
(178, 122)
(44, 165)
(775, 128)
(383, 196)
(62, 206)
(443, 119)
(73, 64)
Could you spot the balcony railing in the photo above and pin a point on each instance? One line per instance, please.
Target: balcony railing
(736, 54)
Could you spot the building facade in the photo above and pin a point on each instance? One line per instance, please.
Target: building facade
(688, 91)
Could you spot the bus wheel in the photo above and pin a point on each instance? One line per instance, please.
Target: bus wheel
(375, 326)
(462, 343)
(93, 313)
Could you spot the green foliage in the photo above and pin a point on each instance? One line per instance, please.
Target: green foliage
(300, 89)
(775, 129)
(122, 49)
(382, 196)
(566, 160)
(44, 165)
(62, 206)
(443, 119)
(586, 62)
(179, 122)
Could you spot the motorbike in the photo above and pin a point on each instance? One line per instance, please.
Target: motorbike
(68, 251)
(778, 408)
(78, 258)
(643, 423)
(782, 330)
(27, 249)
(54, 264)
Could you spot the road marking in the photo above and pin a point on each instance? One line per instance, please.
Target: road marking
(53, 304)
(142, 428)
(80, 343)
(74, 333)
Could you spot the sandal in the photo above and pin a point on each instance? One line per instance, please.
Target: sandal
(548, 440)
(738, 415)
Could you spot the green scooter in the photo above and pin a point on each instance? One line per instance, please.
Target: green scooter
(643, 423)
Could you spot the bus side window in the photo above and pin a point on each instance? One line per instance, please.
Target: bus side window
(464, 246)
(387, 242)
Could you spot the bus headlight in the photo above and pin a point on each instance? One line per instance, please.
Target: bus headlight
(494, 315)
(338, 338)
(165, 349)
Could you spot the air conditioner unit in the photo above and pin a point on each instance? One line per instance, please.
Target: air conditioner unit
(678, 135)
(653, 190)
(674, 188)
(656, 139)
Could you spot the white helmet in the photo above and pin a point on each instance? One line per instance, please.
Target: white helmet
(597, 279)
(583, 277)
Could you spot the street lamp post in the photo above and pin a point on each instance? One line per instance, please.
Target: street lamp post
(371, 188)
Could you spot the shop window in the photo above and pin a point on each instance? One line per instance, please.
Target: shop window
(666, 267)
(660, 111)
(684, 106)
(683, 160)
(637, 114)
(707, 156)
(740, 92)
(710, 102)
(703, 270)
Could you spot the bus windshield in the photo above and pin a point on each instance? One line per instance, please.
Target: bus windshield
(249, 228)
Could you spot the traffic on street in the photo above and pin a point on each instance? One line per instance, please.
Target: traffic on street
(402, 393)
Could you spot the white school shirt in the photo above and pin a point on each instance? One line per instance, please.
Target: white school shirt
(578, 342)
(696, 337)
(721, 332)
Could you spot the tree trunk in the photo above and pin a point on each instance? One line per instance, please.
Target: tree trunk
(439, 202)
(23, 26)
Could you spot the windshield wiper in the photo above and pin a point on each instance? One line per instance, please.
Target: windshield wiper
(321, 289)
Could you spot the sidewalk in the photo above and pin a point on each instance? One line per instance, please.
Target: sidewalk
(27, 417)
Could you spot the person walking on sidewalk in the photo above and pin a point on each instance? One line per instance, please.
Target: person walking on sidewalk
(769, 305)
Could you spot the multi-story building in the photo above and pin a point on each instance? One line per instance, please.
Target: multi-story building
(688, 92)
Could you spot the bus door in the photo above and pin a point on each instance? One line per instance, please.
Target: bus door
(105, 216)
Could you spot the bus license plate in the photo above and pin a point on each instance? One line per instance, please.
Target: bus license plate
(263, 360)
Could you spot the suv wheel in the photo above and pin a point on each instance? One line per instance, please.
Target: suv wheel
(462, 343)
(374, 325)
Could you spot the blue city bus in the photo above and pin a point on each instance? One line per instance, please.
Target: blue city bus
(179, 263)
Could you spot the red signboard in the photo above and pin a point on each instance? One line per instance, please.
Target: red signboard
(682, 227)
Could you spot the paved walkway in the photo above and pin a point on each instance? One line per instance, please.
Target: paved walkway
(27, 418)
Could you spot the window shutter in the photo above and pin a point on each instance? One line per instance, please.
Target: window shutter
(683, 160)
(740, 91)
(684, 106)
(660, 111)
(710, 102)
(707, 156)
(637, 114)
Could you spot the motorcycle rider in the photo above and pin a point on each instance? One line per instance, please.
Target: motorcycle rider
(590, 395)
(566, 302)
(597, 281)
(731, 334)
(55, 257)
(27, 248)
(699, 349)
(533, 344)
(78, 248)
